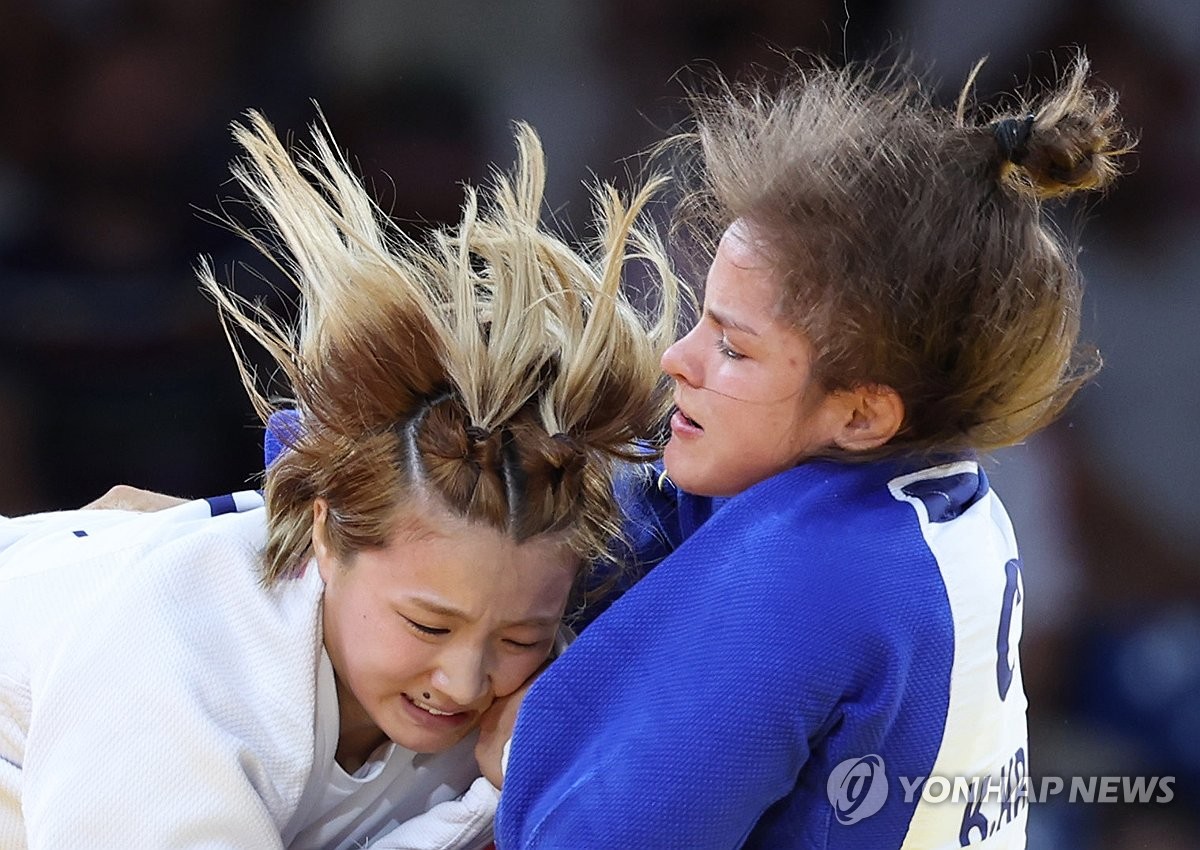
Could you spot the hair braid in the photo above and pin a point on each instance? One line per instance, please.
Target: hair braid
(492, 367)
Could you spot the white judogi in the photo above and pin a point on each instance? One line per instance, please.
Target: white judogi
(154, 694)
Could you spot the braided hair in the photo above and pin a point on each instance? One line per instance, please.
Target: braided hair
(490, 367)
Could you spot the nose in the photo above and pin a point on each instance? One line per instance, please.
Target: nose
(462, 675)
(677, 361)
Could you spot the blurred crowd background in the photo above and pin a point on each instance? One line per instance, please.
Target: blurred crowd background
(114, 136)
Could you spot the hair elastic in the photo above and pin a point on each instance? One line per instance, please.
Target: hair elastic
(1012, 137)
(477, 435)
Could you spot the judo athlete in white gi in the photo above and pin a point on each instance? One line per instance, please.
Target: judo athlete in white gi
(307, 667)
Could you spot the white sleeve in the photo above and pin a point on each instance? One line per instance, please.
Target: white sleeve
(120, 762)
(462, 824)
(146, 731)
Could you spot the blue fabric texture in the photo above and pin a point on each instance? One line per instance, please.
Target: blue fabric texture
(656, 518)
(803, 623)
(283, 428)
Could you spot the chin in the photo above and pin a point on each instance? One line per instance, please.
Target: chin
(689, 479)
(422, 742)
(706, 481)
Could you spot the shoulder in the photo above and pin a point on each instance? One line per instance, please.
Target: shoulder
(44, 542)
(184, 580)
(848, 549)
(171, 645)
(203, 579)
(855, 513)
(200, 555)
(64, 574)
(802, 528)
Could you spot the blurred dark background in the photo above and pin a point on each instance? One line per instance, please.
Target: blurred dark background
(114, 122)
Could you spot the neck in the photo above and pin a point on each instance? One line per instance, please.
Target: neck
(358, 736)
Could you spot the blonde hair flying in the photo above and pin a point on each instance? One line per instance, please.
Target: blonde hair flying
(491, 366)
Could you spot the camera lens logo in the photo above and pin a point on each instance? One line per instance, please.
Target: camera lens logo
(857, 789)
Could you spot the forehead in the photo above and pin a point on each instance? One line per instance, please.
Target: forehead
(742, 280)
(741, 248)
(472, 568)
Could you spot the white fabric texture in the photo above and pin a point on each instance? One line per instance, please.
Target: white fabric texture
(465, 822)
(153, 694)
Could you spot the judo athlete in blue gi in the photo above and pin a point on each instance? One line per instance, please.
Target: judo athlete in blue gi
(834, 634)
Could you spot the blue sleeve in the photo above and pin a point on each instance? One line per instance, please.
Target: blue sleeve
(677, 718)
(282, 430)
(650, 531)
(701, 710)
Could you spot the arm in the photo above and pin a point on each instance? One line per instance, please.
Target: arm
(806, 623)
(98, 766)
(140, 736)
(692, 707)
(665, 718)
(651, 528)
(461, 824)
(123, 497)
(122, 788)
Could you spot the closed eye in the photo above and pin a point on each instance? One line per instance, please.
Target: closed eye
(725, 348)
(523, 645)
(424, 629)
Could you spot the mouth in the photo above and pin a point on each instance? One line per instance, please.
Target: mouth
(436, 712)
(441, 714)
(683, 424)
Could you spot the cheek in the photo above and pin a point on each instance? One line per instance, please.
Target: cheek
(767, 438)
(750, 389)
(511, 672)
(398, 655)
(357, 614)
(370, 639)
(389, 667)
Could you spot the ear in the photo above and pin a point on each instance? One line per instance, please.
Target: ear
(320, 540)
(873, 415)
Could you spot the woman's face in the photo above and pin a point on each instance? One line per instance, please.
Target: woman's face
(747, 404)
(426, 632)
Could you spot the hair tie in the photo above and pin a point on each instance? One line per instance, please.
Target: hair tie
(1012, 138)
(573, 455)
(476, 434)
(566, 439)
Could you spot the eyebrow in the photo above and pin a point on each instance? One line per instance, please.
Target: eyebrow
(446, 611)
(726, 321)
